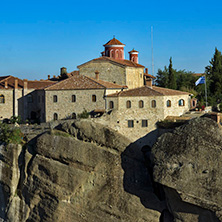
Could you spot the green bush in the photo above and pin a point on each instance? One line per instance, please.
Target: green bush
(10, 134)
(83, 115)
(15, 119)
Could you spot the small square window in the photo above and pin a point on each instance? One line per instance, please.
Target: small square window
(130, 123)
(144, 123)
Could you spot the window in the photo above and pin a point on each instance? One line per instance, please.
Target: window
(111, 104)
(55, 116)
(130, 123)
(29, 98)
(168, 103)
(73, 98)
(128, 104)
(117, 53)
(111, 53)
(181, 102)
(144, 123)
(94, 98)
(2, 99)
(153, 103)
(73, 116)
(141, 104)
(55, 99)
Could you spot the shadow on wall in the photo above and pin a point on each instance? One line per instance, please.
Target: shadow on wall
(137, 179)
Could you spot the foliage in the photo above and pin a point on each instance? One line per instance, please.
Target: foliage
(169, 124)
(214, 74)
(10, 134)
(15, 119)
(59, 133)
(162, 77)
(83, 115)
(171, 80)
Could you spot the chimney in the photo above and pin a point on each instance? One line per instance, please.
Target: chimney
(63, 71)
(25, 83)
(149, 82)
(146, 70)
(54, 76)
(48, 76)
(97, 75)
(6, 84)
(16, 83)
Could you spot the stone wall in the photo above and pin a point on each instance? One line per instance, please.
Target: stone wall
(175, 109)
(107, 71)
(6, 109)
(134, 77)
(121, 116)
(64, 107)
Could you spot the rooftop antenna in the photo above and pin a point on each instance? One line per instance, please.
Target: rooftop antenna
(152, 50)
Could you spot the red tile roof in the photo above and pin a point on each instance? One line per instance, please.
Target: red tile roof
(83, 82)
(133, 50)
(148, 75)
(147, 91)
(31, 84)
(114, 42)
(124, 62)
(75, 72)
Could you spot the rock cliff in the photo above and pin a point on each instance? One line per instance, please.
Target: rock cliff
(188, 163)
(81, 171)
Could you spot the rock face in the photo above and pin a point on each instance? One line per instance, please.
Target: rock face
(86, 172)
(188, 163)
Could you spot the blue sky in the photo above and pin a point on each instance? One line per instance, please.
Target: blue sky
(39, 37)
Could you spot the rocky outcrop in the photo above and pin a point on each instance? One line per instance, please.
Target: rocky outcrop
(188, 163)
(82, 171)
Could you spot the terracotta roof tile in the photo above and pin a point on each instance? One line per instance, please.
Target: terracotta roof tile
(147, 91)
(31, 84)
(149, 75)
(133, 50)
(75, 72)
(124, 62)
(82, 82)
(114, 42)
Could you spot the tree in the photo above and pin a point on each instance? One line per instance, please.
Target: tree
(172, 84)
(214, 72)
(162, 77)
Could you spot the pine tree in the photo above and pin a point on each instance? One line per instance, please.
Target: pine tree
(172, 80)
(162, 77)
(214, 72)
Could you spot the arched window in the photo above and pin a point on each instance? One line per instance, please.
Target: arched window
(2, 99)
(94, 98)
(73, 98)
(29, 98)
(55, 99)
(153, 103)
(128, 104)
(117, 53)
(168, 103)
(55, 116)
(73, 116)
(141, 104)
(111, 104)
(181, 102)
(111, 53)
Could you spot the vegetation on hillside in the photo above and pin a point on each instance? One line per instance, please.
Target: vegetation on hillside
(9, 134)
